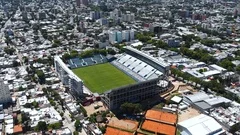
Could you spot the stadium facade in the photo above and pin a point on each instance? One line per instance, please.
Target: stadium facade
(67, 77)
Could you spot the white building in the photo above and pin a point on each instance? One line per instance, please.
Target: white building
(67, 77)
(5, 96)
(112, 37)
(130, 17)
(125, 35)
(119, 37)
(200, 125)
(132, 35)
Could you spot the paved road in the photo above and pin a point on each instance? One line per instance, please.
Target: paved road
(68, 123)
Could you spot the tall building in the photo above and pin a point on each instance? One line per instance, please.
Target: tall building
(131, 34)
(67, 77)
(42, 15)
(115, 14)
(5, 96)
(119, 37)
(24, 15)
(112, 37)
(130, 17)
(81, 2)
(94, 15)
(125, 35)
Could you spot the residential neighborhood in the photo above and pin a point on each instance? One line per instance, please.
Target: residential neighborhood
(108, 67)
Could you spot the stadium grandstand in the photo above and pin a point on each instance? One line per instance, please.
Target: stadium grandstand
(82, 62)
(146, 76)
(147, 71)
(156, 63)
(67, 77)
(141, 70)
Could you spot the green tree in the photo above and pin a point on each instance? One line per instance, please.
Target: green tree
(35, 104)
(41, 126)
(103, 129)
(238, 69)
(75, 133)
(226, 63)
(78, 125)
(57, 125)
(15, 63)
(41, 76)
(25, 59)
(234, 128)
(131, 108)
(9, 50)
(83, 110)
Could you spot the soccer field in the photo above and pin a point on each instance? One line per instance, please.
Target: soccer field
(102, 77)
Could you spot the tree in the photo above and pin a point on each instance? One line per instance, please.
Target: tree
(41, 76)
(41, 126)
(20, 88)
(111, 51)
(83, 110)
(103, 129)
(238, 69)
(35, 104)
(25, 59)
(234, 128)
(15, 63)
(75, 133)
(57, 125)
(131, 108)
(78, 125)
(226, 63)
(25, 120)
(9, 50)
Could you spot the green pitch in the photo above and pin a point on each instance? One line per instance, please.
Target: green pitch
(102, 77)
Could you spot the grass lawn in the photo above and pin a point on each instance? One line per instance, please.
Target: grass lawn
(102, 77)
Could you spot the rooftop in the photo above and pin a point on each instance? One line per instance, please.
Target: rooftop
(114, 131)
(17, 129)
(158, 127)
(205, 124)
(161, 116)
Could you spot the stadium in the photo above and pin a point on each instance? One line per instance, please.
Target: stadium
(132, 76)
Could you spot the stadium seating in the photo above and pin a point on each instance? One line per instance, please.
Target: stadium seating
(126, 62)
(82, 62)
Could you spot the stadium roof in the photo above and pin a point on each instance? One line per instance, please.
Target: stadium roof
(161, 116)
(63, 65)
(162, 63)
(161, 128)
(203, 123)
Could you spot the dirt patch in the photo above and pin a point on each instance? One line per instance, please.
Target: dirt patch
(187, 114)
(91, 108)
(123, 124)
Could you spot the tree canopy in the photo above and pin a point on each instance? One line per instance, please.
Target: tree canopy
(131, 108)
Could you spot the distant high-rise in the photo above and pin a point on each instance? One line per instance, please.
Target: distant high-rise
(132, 35)
(119, 37)
(112, 37)
(94, 15)
(125, 35)
(82, 2)
(4, 93)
